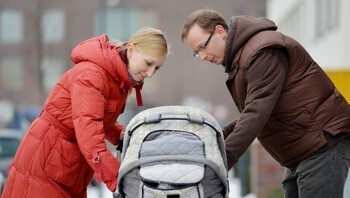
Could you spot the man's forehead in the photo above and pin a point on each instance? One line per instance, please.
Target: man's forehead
(196, 30)
(195, 35)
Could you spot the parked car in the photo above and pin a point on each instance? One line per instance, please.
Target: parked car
(9, 142)
(2, 182)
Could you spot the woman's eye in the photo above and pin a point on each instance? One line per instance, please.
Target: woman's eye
(149, 63)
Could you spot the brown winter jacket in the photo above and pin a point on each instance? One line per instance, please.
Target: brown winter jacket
(285, 99)
(65, 145)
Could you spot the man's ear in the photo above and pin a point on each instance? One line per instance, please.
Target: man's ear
(220, 30)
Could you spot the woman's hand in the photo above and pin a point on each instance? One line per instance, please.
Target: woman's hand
(121, 136)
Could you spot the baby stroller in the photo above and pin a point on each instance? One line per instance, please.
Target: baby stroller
(173, 152)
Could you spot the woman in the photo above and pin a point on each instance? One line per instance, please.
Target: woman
(65, 145)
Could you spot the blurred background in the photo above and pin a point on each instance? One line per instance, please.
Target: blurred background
(37, 36)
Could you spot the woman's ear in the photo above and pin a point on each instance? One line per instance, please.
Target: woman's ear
(131, 47)
(130, 51)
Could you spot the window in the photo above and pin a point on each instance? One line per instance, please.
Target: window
(8, 146)
(11, 27)
(53, 26)
(52, 70)
(327, 16)
(121, 24)
(12, 73)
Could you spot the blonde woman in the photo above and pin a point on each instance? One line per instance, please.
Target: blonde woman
(65, 145)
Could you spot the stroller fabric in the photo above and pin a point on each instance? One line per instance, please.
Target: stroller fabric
(173, 152)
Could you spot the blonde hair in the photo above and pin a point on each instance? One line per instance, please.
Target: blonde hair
(150, 41)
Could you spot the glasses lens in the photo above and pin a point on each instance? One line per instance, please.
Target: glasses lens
(196, 54)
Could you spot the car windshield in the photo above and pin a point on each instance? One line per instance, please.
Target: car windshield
(8, 147)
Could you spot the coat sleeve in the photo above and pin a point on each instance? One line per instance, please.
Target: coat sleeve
(265, 77)
(88, 112)
(112, 135)
(228, 128)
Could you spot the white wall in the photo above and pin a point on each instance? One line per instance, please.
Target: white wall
(297, 18)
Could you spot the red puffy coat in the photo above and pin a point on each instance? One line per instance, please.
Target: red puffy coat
(65, 145)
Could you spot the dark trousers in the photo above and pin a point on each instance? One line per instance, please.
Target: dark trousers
(322, 175)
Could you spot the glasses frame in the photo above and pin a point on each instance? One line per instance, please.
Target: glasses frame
(196, 53)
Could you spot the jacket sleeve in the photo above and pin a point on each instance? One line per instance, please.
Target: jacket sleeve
(265, 77)
(112, 135)
(228, 128)
(88, 112)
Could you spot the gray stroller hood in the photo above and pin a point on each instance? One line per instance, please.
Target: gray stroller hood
(173, 151)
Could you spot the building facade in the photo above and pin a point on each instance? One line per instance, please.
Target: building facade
(37, 36)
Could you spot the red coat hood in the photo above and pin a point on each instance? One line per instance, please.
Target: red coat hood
(100, 51)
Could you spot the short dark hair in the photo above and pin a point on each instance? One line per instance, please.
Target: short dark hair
(206, 18)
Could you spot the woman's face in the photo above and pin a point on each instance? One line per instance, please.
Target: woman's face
(142, 66)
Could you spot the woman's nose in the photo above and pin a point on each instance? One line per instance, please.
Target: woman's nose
(150, 72)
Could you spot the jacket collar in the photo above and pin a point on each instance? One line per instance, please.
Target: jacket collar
(241, 29)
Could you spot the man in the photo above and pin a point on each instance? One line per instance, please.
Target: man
(285, 99)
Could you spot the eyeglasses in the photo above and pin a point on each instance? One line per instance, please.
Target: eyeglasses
(196, 53)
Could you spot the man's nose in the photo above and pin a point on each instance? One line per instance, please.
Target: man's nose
(202, 55)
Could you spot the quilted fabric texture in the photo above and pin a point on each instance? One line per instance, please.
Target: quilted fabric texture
(173, 173)
(172, 143)
(205, 133)
(191, 192)
(173, 150)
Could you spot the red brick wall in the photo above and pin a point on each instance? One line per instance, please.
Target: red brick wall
(266, 173)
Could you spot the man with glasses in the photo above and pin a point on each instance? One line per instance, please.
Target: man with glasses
(285, 99)
(196, 52)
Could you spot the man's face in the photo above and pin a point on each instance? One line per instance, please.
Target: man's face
(207, 46)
